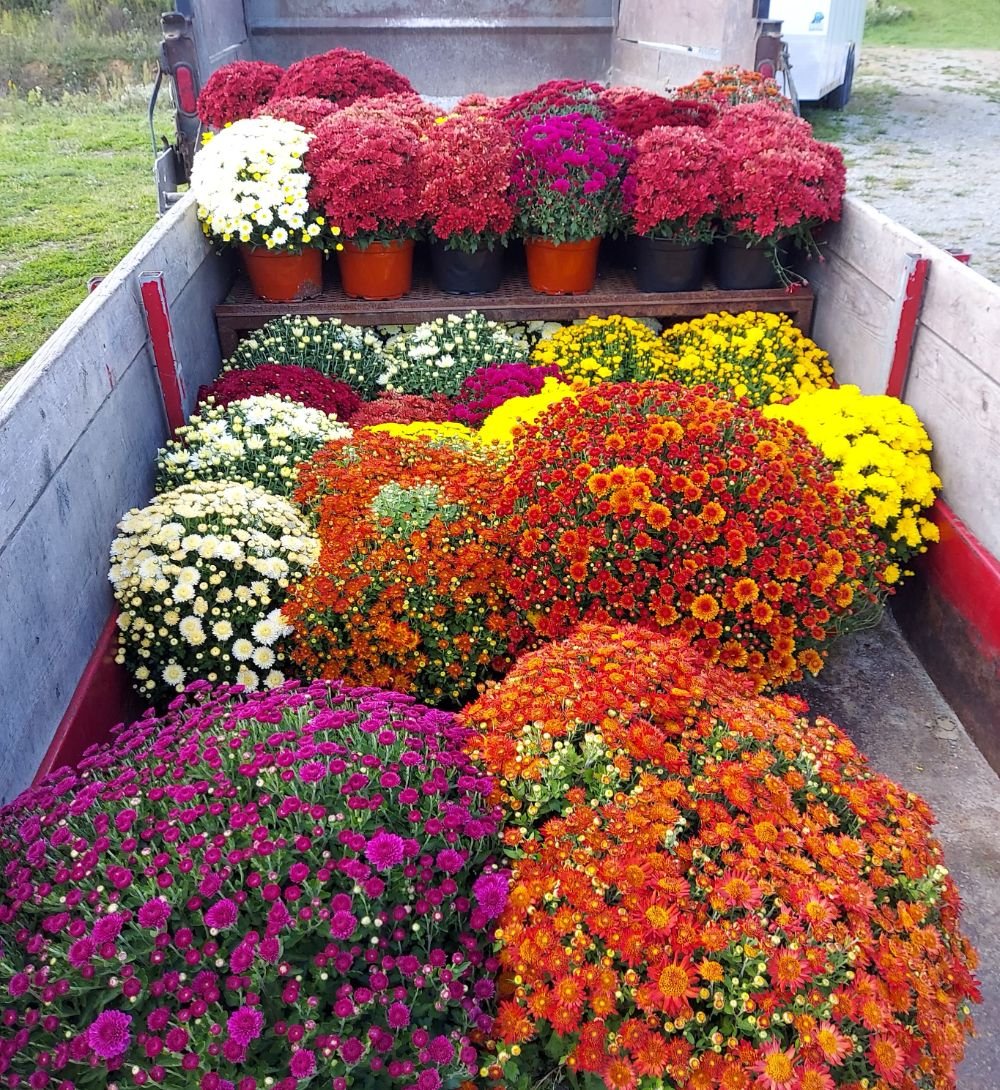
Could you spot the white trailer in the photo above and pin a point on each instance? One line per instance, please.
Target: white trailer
(824, 46)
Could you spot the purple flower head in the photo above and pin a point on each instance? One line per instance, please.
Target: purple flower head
(352, 1050)
(490, 892)
(110, 1034)
(222, 915)
(450, 861)
(384, 850)
(343, 925)
(154, 914)
(303, 1063)
(398, 1015)
(108, 928)
(428, 1079)
(312, 771)
(441, 1050)
(18, 985)
(245, 1025)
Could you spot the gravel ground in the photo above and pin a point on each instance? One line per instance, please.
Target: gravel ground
(921, 137)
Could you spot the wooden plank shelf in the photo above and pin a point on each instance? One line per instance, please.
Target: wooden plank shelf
(614, 293)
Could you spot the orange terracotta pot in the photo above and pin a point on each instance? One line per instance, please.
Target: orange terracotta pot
(383, 270)
(281, 277)
(561, 268)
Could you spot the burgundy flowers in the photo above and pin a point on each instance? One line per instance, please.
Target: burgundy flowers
(235, 90)
(305, 385)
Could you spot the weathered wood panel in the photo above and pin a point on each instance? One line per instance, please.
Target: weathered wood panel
(79, 429)
(954, 379)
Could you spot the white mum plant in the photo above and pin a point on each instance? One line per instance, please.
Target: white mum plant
(200, 575)
(257, 441)
(438, 356)
(251, 186)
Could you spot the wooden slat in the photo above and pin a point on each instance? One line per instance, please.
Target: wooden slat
(614, 293)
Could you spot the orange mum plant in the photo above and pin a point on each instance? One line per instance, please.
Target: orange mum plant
(729, 898)
(409, 593)
(652, 503)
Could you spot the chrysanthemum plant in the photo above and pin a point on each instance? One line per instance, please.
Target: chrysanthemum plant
(253, 892)
(437, 356)
(251, 187)
(880, 452)
(613, 349)
(652, 503)
(332, 347)
(257, 441)
(410, 589)
(755, 355)
(199, 575)
(709, 889)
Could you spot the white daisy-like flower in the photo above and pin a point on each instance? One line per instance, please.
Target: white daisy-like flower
(173, 674)
(191, 629)
(241, 650)
(263, 657)
(222, 630)
(246, 676)
(273, 679)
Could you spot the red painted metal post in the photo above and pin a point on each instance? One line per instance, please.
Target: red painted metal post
(906, 328)
(154, 301)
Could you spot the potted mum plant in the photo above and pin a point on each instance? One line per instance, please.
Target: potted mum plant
(251, 187)
(363, 165)
(236, 90)
(569, 175)
(678, 183)
(781, 184)
(465, 200)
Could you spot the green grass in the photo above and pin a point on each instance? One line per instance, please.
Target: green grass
(962, 24)
(76, 193)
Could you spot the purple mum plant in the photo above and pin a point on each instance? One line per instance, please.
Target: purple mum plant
(253, 890)
(488, 387)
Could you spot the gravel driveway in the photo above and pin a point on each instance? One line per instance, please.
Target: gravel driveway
(921, 137)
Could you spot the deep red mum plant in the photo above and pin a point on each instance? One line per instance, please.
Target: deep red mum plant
(341, 75)
(302, 384)
(235, 90)
(780, 182)
(363, 165)
(465, 168)
(635, 111)
(303, 110)
(678, 179)
(555, 96)
(402, 409)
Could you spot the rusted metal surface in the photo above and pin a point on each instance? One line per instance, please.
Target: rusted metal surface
(614, 293)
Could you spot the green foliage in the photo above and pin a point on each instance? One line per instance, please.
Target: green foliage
(76, 193)
(880, 13)
(972, 24)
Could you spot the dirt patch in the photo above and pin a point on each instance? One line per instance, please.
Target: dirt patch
(921, 137)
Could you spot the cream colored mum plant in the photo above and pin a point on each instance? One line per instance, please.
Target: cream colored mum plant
(200, 575)
(251, 187)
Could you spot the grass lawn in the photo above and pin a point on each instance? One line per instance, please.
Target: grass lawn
(962, 24)
(76, 192)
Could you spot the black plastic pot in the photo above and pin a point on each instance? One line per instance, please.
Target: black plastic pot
(661, 264)
(738, 267)
(460, 273)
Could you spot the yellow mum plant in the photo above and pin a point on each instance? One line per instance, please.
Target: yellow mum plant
(445, 432)
(498, 427)
(614, 349)
(755, 355)
(880, 452)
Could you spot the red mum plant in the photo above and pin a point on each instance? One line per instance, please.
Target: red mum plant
(465, 166)
(341, 75)
(403, 409)
(652, 503)
(734, 86)
(363, 165)
(408, 106)
(678, 180)
(251, 885)
(303, 110)
(409, 590)
(780, 182)
(301, 384)
(235, 90)
(709, 889)
(555, 96)
(635, 111)
(488, 387)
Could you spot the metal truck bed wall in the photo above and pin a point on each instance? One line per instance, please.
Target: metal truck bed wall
(495, 46)
(79, 428)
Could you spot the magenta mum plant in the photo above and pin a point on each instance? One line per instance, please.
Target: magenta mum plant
(249, 891)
